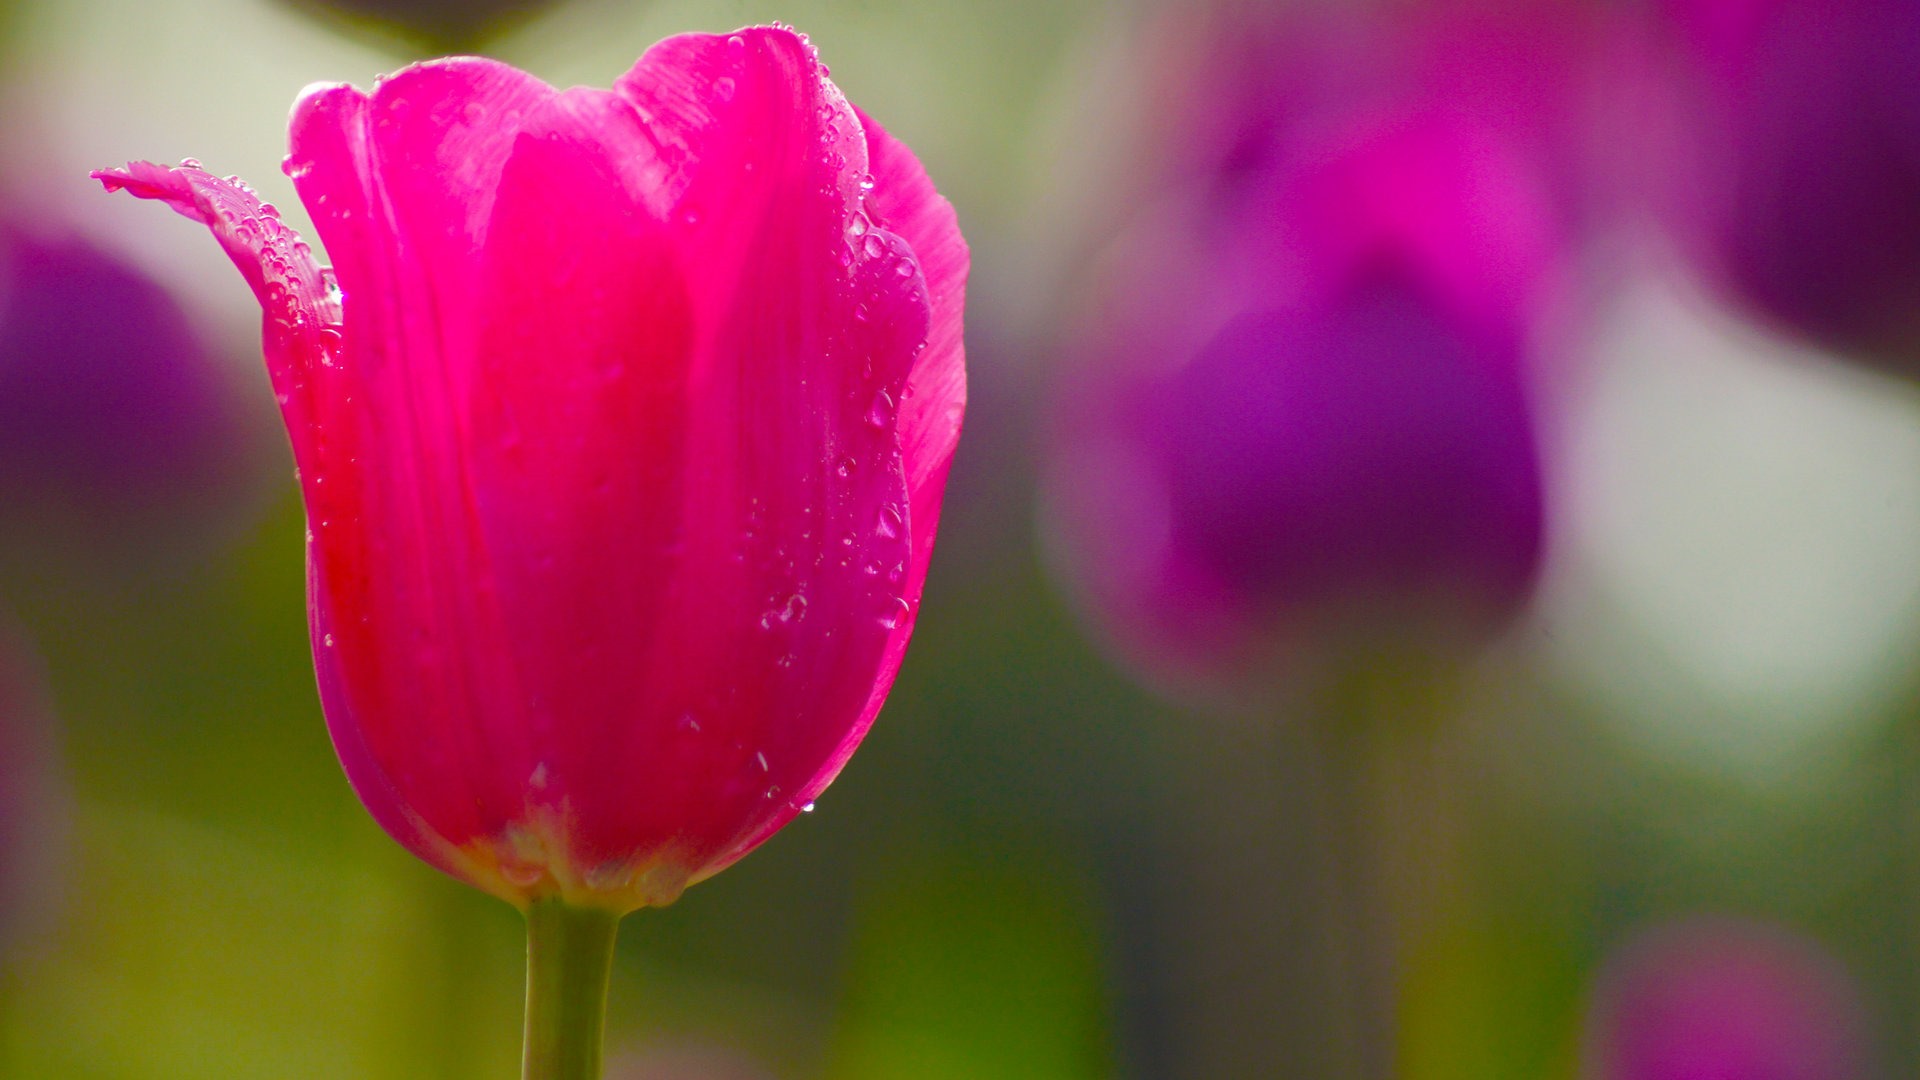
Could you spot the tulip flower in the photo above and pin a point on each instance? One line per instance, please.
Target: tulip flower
(1308, 413)
(1293, 466)
(622, 420)
(119, 432)
(1798, 195)
(1727, 999)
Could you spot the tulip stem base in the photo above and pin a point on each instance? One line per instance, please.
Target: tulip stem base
(569, 960)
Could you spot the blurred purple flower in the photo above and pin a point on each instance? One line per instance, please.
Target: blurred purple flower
(120, 437)
(1725, 999)
(1300, 423)
(1799, 185)
(1308, 408)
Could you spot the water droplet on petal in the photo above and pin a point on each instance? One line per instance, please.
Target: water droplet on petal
(895, 614)
(723, 88)
(888, 526)
(874, 247)
(807, 808)
(880, 413)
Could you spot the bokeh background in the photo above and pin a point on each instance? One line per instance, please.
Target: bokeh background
(1665, 806)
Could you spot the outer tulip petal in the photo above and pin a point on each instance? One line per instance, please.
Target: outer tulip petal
(302, 339)
(580, 451)
(796, 532)
(934, 400)
(392, 542)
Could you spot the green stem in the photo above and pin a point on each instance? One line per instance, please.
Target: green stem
(569, 958)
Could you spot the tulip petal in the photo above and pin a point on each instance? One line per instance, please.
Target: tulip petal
(795, 536)
(903, 200)
(301, 313)
(579, 443)
(399, 182)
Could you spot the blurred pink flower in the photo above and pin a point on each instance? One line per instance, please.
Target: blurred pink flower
(622, 433)
(1724, 999)
(1798, 184)
(1303, 411)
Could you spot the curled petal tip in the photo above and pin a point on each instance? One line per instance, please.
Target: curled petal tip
(144, 177)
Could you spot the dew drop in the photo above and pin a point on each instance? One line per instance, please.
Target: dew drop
(806, 808)
(761, 757)
(880, 413)
(866, 182)
(847, 467)
(874, 247)
(859, 225)
(723, 88)
(327, 641)
(889, 523)
(896, 612)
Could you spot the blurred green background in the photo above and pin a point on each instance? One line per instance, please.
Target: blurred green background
(1033, 868)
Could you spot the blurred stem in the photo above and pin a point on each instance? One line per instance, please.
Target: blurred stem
(569, 960)
(1359, 913)
(1373, 737)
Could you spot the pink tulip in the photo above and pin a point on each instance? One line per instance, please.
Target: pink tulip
(622, 422)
